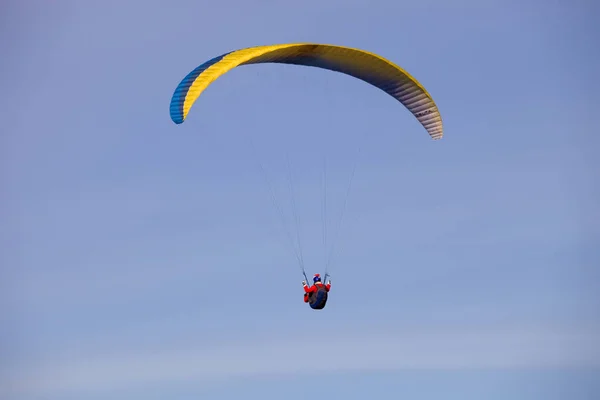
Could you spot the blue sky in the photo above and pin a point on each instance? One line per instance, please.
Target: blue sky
(144, 260)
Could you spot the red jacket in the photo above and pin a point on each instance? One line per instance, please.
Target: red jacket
(314, 289)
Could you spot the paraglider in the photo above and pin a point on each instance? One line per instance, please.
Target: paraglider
(317, 294)
(368, 67)
(360, 64)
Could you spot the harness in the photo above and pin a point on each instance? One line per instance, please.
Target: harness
(318, 299)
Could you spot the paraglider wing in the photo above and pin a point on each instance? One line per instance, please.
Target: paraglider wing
(360, 64)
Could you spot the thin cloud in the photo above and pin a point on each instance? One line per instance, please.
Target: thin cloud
(409, 350)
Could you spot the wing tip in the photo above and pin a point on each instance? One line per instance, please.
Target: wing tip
(177, 117)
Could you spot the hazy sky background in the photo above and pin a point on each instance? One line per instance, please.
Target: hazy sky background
(144, 260)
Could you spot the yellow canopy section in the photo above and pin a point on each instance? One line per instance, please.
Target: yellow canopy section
(360, 64)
